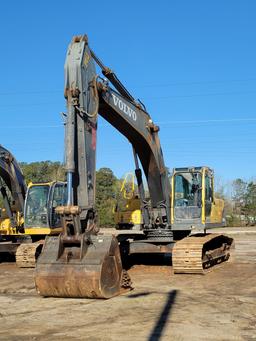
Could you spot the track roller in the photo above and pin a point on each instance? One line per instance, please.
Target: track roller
(27, 254)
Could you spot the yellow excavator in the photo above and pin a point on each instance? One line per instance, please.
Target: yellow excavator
(28, 213)
(127, 212)
(80, 262)
(193, 202)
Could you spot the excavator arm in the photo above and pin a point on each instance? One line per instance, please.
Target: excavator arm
(13, 180)
(87, 95)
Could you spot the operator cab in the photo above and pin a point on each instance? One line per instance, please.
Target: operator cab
(188, 194)
(192, 197)
(41, 201)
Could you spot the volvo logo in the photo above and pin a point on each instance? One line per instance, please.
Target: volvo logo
(124, 107)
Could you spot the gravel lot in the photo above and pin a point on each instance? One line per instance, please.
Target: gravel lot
(162, 306)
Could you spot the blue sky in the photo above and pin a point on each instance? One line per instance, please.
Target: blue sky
(192, 63)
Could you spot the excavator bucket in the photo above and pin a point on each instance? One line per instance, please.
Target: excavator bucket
(79, 266)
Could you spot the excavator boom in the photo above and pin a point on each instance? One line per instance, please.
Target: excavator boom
(13, 179)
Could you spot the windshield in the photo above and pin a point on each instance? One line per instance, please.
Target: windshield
(188, 188)
(36, 214)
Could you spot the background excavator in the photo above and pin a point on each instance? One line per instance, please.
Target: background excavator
(28, 213)
(80, 262)
(193, 201)
(127, 212)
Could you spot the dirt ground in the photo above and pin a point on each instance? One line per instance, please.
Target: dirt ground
(162, 306)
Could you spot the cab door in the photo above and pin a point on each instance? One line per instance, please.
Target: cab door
(58, 198)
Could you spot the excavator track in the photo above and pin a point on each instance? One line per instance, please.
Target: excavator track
(27, 254)
(200, 253)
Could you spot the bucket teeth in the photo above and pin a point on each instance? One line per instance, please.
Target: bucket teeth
(126, 280)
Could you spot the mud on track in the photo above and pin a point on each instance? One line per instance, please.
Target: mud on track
(163, 306)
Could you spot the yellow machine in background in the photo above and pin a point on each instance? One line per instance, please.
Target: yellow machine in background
(127, 213)
(23, 233)
(40, 217)
(37, 218)
(6, 226)
(193, 201)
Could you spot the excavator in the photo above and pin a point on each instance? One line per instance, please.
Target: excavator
(127, 212)
(193, 202)
(28, 214)
(80, 262)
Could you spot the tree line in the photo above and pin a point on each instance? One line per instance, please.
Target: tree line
(243, 203)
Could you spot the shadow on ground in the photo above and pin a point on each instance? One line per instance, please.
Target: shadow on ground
(160, 325)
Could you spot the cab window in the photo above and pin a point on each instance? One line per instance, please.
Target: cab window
(36, 214)
(187, 187)
(208, 194)
(59, 195)
(208, 188)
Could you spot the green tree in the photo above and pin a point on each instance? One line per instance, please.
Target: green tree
(239, 194)
(249, 208)
(105, 196)
(43, 171)
(244, 199)
(219, 188)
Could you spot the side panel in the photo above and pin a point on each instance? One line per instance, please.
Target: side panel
(217, 212)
